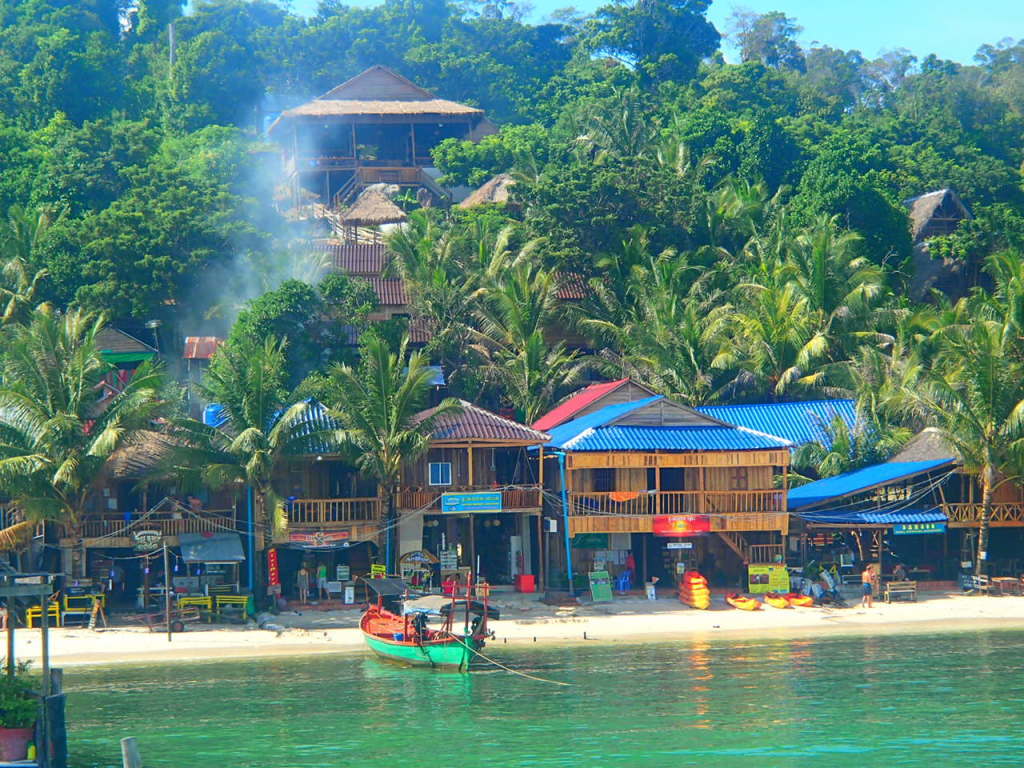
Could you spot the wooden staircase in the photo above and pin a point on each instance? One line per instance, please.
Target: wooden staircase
(754, 553)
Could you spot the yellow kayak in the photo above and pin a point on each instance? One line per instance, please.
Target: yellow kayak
(775, 600)
(743, 602)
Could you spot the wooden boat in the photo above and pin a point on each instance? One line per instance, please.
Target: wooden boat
(743, 602)
(801, 601)
(775, 600)
(396, 627)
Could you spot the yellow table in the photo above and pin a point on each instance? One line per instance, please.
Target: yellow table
(199, 601)
(240, 600)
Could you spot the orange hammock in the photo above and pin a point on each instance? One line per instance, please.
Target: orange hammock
(624, 495)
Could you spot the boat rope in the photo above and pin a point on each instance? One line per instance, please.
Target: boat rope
(507, 669)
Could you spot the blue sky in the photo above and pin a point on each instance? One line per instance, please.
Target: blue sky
(951, 28)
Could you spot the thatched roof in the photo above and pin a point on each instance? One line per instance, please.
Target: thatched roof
(114, 341)
(926, 445)
(936, 213)
(494, 191)
(138, 459)
(474, 424)
(380, 91)
(17, 536)
(372, 208)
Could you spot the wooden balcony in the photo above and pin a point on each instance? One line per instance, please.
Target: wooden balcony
(116, 531)
(1004, 515)
(512, 499)
(325, 514)
(634, 511)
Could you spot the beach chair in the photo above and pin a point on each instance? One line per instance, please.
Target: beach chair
(624, 581)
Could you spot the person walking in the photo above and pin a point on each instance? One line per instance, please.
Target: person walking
(868, 579)
(302, 582)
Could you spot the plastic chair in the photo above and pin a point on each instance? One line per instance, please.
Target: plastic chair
(624, 581)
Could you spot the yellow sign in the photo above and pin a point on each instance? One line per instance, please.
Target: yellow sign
(767, 578)
(378, 571)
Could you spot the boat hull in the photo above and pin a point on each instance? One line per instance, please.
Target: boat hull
(453, 656)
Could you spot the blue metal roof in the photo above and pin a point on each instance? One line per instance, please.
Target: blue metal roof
(671, 439)
(800, 423)
(563, 433)
(876, 516)
(860, 480)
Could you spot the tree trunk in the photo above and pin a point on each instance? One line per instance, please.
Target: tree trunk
(987, 481)
(259, 589)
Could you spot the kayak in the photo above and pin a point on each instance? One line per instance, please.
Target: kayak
(801, 601)
(694, 591)
(775, 600)
(743, 602)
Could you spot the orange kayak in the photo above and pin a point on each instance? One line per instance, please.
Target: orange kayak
(802, 601)
(775, 600)
(743, 602)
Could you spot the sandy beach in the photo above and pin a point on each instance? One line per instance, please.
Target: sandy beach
(526, 621)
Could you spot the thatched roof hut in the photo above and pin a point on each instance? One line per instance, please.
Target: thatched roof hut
(926, 445)
(372, 208)
(496, 190)
(936, 213)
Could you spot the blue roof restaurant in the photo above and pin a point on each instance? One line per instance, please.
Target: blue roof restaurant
(653, 487)
(919, 510)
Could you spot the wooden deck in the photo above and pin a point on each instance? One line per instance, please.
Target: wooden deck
(1004, 515)
(521, 499)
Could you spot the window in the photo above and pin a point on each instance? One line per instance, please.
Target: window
(604, 480)
(738, 479)
(440, 473)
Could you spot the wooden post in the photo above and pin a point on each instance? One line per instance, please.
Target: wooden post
(643, 557)
(10, 637)
(130, 757)
(44, 626)
(701, 500)
(469, 454)
(412, 143)
(472, 544)
(657, 490)
(540, 552)
(167, 590)
(540, 468)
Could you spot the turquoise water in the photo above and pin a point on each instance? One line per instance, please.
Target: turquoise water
(904, 700)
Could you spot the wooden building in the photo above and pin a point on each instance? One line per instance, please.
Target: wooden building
(376, 128)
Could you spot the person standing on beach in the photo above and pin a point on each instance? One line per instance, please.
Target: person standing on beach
(302, 582)
(867, 579)
(321, 582)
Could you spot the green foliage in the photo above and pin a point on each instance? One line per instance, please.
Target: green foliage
(19, 704)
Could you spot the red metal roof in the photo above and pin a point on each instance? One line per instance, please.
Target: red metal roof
(360, 259)
(475, 423)
(390, 291)
(569, 408)
(572, 286)
(201, 347)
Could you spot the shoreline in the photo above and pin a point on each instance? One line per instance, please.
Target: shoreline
(627, 622)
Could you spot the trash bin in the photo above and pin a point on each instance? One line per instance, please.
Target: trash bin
(525, 582)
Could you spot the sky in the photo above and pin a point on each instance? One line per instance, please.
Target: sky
(952, 29)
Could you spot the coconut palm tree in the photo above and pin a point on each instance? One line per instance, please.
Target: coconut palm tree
(56, 436)
(20, 235)
(377, 407)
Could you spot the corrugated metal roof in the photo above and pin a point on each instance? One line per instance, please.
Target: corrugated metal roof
(566, 410)
(475, 423)
(572, 286)
(201, 347)
(116, 341)
(358, 259)
(390, 291)
(859, 481)
(563, 433)
(876, 516)
(672, 439)
(799, 423)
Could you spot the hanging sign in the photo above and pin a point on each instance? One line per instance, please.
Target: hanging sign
(680, 525)
(449, 559)
(767, 578)
(318, 538)
(147, 540)
(600, 587)
(679, 545)
(477, 501)
(378, 571)
(905, 529)
(590, 541)
(273, 571)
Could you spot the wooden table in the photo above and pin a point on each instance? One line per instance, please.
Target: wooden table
(240, 600)
(1008, 585)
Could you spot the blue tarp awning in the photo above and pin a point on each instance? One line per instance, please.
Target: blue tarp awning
(875, 516)
(859, 481)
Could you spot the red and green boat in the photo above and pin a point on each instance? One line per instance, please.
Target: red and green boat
(397, 629)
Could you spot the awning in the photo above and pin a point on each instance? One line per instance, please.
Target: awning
(211, 548)
(859, 481)
(875, 517)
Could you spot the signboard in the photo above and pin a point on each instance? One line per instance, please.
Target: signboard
(905, 529)
(590, 541)
(378, 571)
(767, 578)
(273, 572)
(476, 501)
(680, 525)
(600, 587)
(318, 538)
(449, 559)
(343, 572)
(147, 540)
(679, 545)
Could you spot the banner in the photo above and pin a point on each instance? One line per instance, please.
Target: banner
(767, 578)
(273, 574)
(476, 501)
(600, 586)
(680, 525)
(905, 529)
(318, 538)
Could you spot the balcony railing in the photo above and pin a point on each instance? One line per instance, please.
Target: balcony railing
(103, 527)
(524, 497)
(677, 503)
(323, 513)
(970, 514)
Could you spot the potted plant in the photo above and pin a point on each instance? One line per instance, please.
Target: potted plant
(19, 708)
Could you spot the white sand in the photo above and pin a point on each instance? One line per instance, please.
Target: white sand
(526, 621)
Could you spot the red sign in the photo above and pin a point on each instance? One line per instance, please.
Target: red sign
(680, 525)
(319, 538)
(273, 572)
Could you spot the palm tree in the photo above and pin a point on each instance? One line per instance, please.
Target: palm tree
(845, 448)
(377, 407)
(20, 235)
(973, 395)
(56, 437)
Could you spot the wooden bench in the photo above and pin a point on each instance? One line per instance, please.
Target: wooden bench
(896, 588)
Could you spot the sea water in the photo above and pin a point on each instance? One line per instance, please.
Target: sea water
(907, 700)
